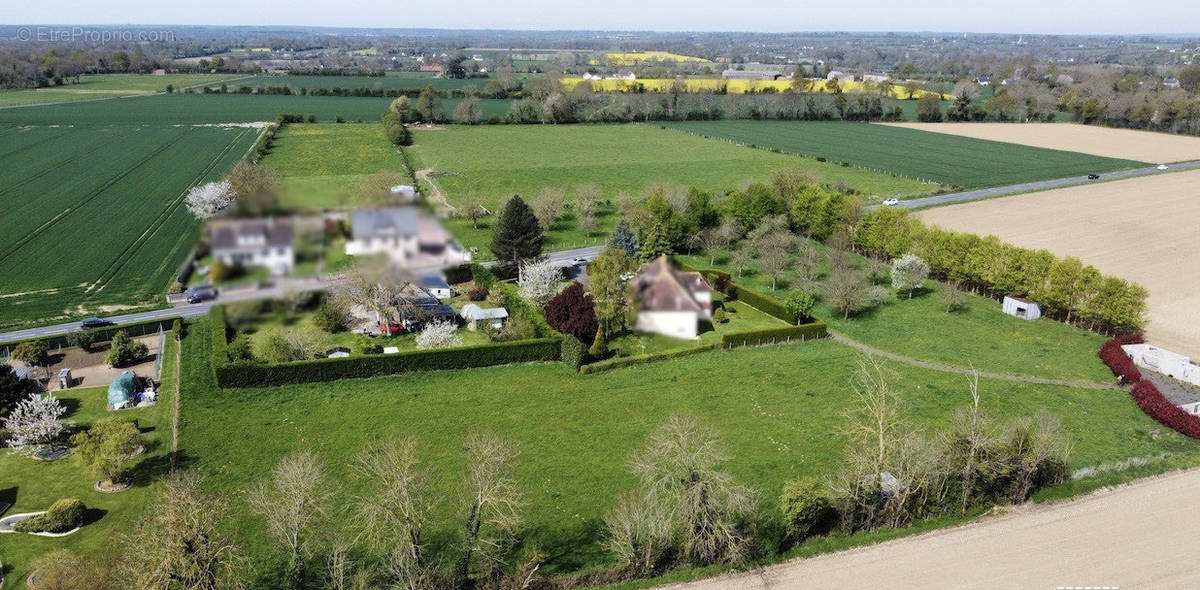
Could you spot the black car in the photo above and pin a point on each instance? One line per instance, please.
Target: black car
(200, 293)
(90, 323)
(1093, 176)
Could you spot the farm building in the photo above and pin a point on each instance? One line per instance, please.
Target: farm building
(1022, 308)
(671, 302)
(265, 243)
(1163, 361)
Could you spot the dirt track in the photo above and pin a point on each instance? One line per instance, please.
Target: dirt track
(1141, 229)
(1143, 146)
(1138, 536)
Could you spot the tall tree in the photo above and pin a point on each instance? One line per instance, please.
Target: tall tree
(395, 513)
(909, 273)
(518, 234)
(624, 239)
(610, 294)
(292, 500)
(429, 105)
(492, 512)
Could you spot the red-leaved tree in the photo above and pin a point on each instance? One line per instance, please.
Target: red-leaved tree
(571, 312)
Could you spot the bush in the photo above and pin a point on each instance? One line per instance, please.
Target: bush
(807, 508)
(241, 349)
(719, 316)
(482, 275)
(571, 312)
(124, 351)
(63, 516)
(331, 317)
(1118, 362)
(574, 353)
(83, 339)
(1157, 406)
(364, 344)
(477, 293)
(176, 288)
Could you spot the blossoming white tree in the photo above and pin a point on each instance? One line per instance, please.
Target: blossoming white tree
(206, 200)
(539, 281)
(909, 273)
(35, 422)
(439, 335)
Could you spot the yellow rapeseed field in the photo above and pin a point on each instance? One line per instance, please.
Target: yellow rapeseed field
(730, 86)
(634, 58)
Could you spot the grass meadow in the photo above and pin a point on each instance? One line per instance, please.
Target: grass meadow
(937, 157)
(776, 409)
(95, 86)
(410, 81)
(321, 163)
(31, 485)
(94, 217)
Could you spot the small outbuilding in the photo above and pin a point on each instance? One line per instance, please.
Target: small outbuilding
(122, 391)
(1022, 308)
(337, 352)
(476, 316)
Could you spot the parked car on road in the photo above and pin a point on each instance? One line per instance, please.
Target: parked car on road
(1162, 166)
(892, 202)
(90, 323)
(200, 293)
(579, 260)
(1093, 176)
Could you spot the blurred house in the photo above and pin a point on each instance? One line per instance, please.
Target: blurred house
(265, 243)
(671, 302)
(407, 237)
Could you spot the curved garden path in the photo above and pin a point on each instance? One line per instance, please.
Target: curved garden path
(1080, 384)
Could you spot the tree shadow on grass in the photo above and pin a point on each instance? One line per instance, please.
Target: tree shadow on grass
(156, 467)
(567, 549)
(71, 405)
(8, 497)
(93, 515)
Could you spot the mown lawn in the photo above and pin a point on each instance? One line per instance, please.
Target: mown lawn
(322, 163)
(776, 408)
(937, 157)
(499, 161)
(32, 485)
(978, 335)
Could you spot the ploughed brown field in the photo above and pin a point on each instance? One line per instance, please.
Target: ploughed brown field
(1128, 144)
(1145, 230)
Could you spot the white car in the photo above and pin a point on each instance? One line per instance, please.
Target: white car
(892, 202)
(1162, 166)
(579, 260)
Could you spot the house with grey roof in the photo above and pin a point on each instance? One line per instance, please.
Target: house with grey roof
(407, 237)
(265, 243)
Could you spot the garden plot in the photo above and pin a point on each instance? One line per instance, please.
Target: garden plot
(1129, 144)
(1141, 229)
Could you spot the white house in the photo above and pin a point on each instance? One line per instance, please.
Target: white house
(1022, 308)
(671, 302)
(1164, 362)
(265, 243)
(407, 237)
(476, 316)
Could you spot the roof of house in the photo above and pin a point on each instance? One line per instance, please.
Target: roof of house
(1021, 299)
(385, 222)
(472, 312)
(229, 234)
(662, 287)
(434, 281)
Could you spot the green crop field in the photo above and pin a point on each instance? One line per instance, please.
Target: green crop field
(215, 108)
(94, 217)
(96, 86)
(941, 158)
(774, 408)
(391, 81)
(321, 163)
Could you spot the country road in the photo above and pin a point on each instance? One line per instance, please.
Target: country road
(1028, 187)
(1137, 536)
(563, 258)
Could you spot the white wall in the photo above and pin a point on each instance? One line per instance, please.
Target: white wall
(677, 324)
(1163, 361)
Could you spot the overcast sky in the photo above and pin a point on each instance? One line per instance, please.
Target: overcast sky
(1010, 16)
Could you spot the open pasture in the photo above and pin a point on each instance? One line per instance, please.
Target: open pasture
(94, 218)
(772, 406)
(107, 86)
(940, 158)
(1141, 229)
(392, 81)
(1129, 144)
(500, 161)
(321, 163)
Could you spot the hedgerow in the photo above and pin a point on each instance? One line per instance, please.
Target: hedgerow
(1145, 393)
(814, 330)
(1114, 356)
(104, 334)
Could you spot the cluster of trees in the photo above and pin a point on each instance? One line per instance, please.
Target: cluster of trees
(30, 66)
(1066, 288)
(250, 189)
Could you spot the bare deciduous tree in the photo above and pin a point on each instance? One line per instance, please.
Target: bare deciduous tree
(848, 290)
(639, 531)
(183, 545)
(374, 287)
(953, 297)
(493, 510)
(396, 513)
(293, 500)
(470, 206)
(548, 205)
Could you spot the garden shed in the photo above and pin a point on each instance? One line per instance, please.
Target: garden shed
(1022, 308)
(122, 390)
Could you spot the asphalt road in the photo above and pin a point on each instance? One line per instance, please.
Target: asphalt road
(1041, 185)
(563, 258)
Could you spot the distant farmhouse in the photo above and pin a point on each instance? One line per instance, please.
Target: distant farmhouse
(265, 243)
(752, 74)
(671, 302)
(407, 237)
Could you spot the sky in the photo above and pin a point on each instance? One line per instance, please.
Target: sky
(1009, 16)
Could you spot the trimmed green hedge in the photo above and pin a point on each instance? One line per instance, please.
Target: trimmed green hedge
(760, 301)
(810, 331)
(105, 334)
(465, 357)
(308, 371)
(641, 359)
